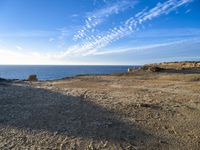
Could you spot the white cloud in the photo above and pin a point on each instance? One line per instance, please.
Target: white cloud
(51, 39)
(13, 57)
(152, 46)
(63, 33)
(74, 15)
(93, 43)
(169, 33)
(97, 17)
(8, 57)
(31, 57)
(19, 47)
(188, 11)
(158, 10)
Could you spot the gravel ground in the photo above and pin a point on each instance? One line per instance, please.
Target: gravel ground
(138, 111)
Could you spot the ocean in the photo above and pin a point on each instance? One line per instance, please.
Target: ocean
(56, 72)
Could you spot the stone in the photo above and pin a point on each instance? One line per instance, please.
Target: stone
(33, 78)
(154, 69)
(130, 70)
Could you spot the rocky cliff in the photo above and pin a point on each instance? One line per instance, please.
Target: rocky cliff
(176, 65)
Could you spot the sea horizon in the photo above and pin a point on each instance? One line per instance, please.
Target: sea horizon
(52, 72)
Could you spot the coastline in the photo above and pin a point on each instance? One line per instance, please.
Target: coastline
(56, 72)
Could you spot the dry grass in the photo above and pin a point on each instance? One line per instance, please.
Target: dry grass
(181, 77)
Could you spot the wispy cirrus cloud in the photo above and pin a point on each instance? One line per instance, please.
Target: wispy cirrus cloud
(8, 56)
(51, 39)
(19, 47)
(169, 33)
(97, 17)
(92, 44)
(151, 46)
(63, 33)
(160, 9)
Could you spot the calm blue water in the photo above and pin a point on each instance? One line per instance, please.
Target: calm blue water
(56, 72)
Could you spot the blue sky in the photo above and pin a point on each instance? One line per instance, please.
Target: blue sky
(99, 32)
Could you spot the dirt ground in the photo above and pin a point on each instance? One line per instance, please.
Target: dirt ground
(115, 112)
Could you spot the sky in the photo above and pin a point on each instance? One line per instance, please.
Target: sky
(99, 32)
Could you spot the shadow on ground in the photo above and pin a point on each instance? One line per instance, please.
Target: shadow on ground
(183, 71)
(39, 109)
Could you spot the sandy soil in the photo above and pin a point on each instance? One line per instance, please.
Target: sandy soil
(138, 111)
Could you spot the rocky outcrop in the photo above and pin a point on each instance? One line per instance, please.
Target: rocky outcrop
(179, 65)
(145, 68)
(32, 78)
(1, 79)
(165, 66)
(173, 65)
(152, 68)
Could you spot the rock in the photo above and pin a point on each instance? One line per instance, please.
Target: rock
(32, 78)
(179, 66)
(130, 70)
(1, 79)
(163, 142)
(152, 68)
(145, 105)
